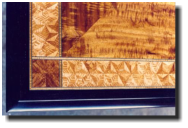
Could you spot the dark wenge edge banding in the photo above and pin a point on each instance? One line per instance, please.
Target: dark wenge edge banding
(17, 74)
(17, 51)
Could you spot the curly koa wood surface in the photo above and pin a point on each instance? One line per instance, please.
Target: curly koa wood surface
(102, 45)
(118, 30)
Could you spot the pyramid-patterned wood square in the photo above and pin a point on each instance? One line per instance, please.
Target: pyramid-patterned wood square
(45, 73)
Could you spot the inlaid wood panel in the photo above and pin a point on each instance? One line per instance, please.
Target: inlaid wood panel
(118, 73)
(45, 29)
(102, 45)
(119, 30)
(45, 73)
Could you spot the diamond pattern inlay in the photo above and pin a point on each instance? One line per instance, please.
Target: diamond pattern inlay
(45, 33)
(117, 73)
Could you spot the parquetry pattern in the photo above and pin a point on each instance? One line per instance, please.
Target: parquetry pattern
(45, 73)
(45, 33)
(97, 31)
(117, 73)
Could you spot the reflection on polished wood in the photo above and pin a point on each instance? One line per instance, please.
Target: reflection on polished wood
(118, 30)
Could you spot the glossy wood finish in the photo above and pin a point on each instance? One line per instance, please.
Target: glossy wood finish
(103, 39)
(119, 30)
(19, 97)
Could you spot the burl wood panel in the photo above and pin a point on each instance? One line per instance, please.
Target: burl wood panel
(119, 30)
(118, 74)
(45, 73)
(45, 29)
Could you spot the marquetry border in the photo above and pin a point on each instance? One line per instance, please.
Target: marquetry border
(60, 58)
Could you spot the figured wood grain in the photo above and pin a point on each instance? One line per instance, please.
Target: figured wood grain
(45, 73)
(78, 74)
(104, 45)
(119, 30)
(45, 29)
